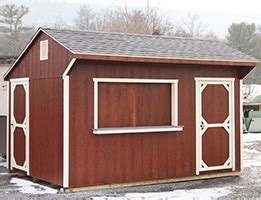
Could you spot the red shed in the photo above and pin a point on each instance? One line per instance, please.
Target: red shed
(94, 108)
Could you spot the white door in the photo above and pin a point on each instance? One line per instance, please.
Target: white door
(215, 137)
(19, 120)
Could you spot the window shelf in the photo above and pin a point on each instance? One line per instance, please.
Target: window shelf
(142, 129)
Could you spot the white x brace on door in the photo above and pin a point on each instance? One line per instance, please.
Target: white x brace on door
(19, 119)
(202, 124)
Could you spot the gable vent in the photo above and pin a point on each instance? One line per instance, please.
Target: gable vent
(44, 50)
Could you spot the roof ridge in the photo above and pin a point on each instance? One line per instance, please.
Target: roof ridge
(132, 34)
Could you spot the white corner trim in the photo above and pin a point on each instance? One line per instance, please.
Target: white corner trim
(241, 122)
(69, 67)
(66, 131)
(7, 126)
(148, 129)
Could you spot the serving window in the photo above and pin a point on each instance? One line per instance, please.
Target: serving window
(135, 105)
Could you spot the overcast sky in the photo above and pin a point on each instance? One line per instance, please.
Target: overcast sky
(218, 14)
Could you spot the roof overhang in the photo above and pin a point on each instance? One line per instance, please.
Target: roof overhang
(127, 58)
(123, 58)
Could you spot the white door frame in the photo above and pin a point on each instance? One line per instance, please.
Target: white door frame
(202, 125)
(25, 125)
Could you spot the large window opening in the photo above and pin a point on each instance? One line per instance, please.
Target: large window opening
(135, 105)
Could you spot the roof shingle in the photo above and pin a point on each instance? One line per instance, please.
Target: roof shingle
(134, 45)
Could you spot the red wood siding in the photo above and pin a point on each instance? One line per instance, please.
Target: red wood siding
(31, 66)
(131, 105)
(215, 106)
(46, 130)
(46, 107)
(105, 159)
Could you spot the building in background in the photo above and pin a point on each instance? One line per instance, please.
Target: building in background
(5, 62)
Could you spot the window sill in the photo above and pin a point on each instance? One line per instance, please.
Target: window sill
(143, 129)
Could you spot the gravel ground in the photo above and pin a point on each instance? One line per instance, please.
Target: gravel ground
(247, 186)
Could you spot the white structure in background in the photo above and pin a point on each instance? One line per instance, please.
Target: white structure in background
(251, 97)
(5, 62)
(251, 89)
(252, 107)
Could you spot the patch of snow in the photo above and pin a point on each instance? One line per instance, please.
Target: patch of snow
(2, 164)
(252, 163)
(251, 137)
(4, 173)
(25, 186)
(251, 151)
(206, 194)
(256, 89)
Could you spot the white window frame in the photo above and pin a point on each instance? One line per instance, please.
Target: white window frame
(41, 50)
(119, 130)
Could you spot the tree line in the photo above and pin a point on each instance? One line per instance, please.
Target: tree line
(245, 37)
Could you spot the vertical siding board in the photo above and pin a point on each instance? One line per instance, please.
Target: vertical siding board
(31, 66)
(46, 130)
(133, 157)
(46, 114)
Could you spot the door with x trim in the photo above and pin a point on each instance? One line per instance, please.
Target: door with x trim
(215, 137)
(19, 118)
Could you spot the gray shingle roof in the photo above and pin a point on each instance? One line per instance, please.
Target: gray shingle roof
(91, 42)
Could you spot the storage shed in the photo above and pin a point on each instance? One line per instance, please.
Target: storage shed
(90, 109)
(5, 63)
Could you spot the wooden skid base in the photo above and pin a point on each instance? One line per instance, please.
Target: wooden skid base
(173, 180)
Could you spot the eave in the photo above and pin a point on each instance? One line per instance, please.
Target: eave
(165, 60)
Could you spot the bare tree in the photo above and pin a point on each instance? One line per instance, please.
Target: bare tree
(142, 21)
(85, 18)
(248, 89)
(59, 23)
(123, 19)
(193, 26)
